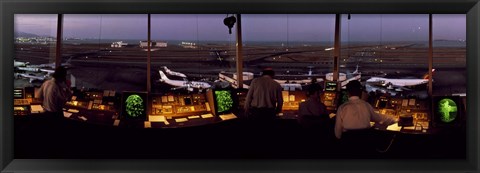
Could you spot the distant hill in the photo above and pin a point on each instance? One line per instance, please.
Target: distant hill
(24, 34)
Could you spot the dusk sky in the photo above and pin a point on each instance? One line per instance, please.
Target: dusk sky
(256, 27)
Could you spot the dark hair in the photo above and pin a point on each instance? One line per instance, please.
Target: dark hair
(268, 71)
(354, 88)
(60, 73)
(312, 88)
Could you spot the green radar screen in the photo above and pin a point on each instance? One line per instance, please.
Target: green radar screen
(224, 100)
(447, 109)
(134, 106)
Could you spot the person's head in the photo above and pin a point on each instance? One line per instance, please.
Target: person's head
(314, 89)
(268, 72)
(60, 74)
(354, 88)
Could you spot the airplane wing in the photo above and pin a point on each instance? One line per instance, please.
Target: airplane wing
(188, 88)
(33, 77)
(401, 88)
(391, 86)
(387, 85)
(180, 87)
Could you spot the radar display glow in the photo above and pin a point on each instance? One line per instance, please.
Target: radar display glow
(134, 105)
(447, 109)
(224, 100)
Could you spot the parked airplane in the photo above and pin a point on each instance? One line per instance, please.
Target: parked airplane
(20, 63)
(285, 86)
(48, 71)
(189, 85)
(398, 84)
(170, 72)
(30, 69)
(31, 77)
(52, 65)
(356, 71)
(301, 81)
(291, 86)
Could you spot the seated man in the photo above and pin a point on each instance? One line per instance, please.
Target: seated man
(356, 114)
(54, 93)
(313, 112)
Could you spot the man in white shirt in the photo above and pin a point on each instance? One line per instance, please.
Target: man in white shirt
(356, 114)
(264, 98)
(55, 93)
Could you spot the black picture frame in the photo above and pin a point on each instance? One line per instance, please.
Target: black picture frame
(10, 7)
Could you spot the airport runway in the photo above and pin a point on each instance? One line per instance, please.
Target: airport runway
(96, 67)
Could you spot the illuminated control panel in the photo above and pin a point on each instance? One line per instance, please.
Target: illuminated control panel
(94, 100)
(329, 98)
(178, 105)
(409, 111)
(389, 112)
(21, 110)
(292, 99)
(21, 106)
(21, 102)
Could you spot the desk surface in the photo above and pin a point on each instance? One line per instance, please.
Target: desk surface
(416, 129)
(112, 118)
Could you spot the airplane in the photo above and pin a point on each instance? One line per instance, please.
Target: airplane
(356, 71)
(174, 73)
(291, 86)
(301, 81)
(19, 63)
(35, 69)
(52, 65)
(285, 86)
(48, 71)
(31, 77)
(398, 84)
(30, 69)
(190, 85)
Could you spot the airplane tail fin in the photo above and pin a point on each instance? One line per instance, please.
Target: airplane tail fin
(163, 76)
(68, 60)
(356, 70)
(426, 76)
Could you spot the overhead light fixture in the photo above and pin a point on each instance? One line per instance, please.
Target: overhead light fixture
(229, 22)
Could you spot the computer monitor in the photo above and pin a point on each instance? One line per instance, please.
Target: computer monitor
(224, 101)
(447, 111)
(381, 103)
(187, 100)
(134, 105)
